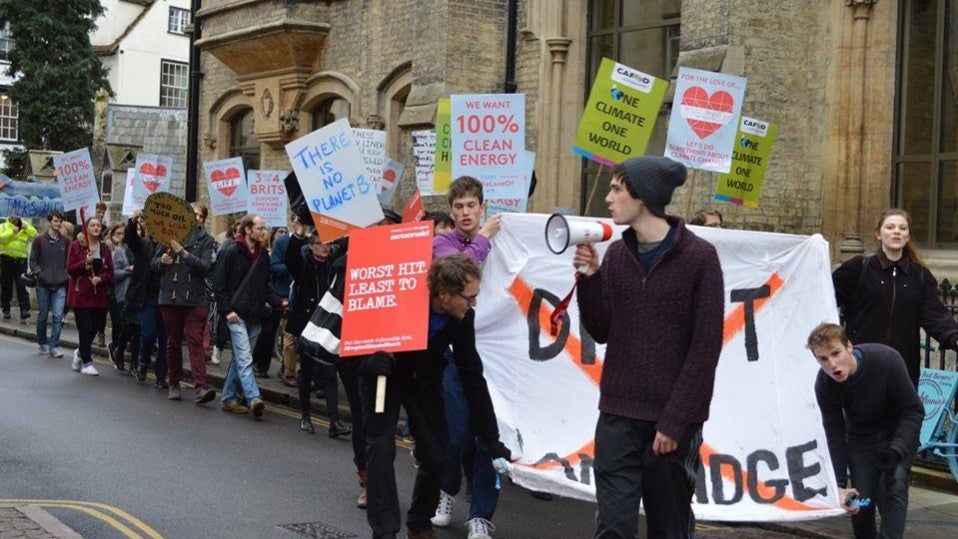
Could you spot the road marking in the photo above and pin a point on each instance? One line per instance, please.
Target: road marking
(94, 509)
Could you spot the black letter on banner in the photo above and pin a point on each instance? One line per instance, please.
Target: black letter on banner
(552, 457)
(769, 458)
(716, 461)
(798, 472)
(536, 351)
(748, 297)
(701, 491)
(586, 466)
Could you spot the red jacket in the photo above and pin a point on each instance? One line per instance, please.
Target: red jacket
(80, 292)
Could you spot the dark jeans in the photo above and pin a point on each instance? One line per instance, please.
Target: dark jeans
(427, 417)
(88, 319)
(266, 344)
(10, 270)
(152, 329)
(485, 495)
(188, 322)
(347, 373)
(627, 471)
(116, 320)
(887, 489)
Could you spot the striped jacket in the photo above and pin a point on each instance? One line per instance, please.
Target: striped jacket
(320, 338)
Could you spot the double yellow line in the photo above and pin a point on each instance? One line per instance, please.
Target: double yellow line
(125, 523)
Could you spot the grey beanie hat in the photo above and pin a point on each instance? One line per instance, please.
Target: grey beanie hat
(652, 180)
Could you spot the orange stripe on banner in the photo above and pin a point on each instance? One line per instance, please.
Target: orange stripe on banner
(735, 321)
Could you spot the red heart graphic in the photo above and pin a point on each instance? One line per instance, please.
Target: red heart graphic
(706, 113)
(161, 171)
(147, 173)
(389, 175)
(226, 181)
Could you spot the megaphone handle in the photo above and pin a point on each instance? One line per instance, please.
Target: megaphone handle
(555, 319)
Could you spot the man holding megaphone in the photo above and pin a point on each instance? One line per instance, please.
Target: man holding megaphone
(657, 300)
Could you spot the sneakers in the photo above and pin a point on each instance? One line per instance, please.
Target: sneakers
(76, 361)
(204, 395)
(175, 394)
(115, 357)
(44, 349)
(161, 384)
(480, 528)
(140, 373)
(100, 340)
(443, 510)
(257, 406)
(215, 358)
(234, 407)
(89, 370)
(56, 352)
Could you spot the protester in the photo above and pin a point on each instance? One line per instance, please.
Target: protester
(287, 372)
(15, 238)
(90, 266)
(218, 324)
(266, 344)
(890, 296)
(467, 237)
(201, 212)
(142, 303)
(122, 268)
(872, 416)
(658, 301)
(710, 218)
(48, 261)
(183, 304)
(414, 381)
(244, 292)
(442, 222)
(133, 232)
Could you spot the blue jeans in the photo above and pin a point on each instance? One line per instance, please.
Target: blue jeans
(485, 495)
(243, 337)
(48, 298)
(151, 329)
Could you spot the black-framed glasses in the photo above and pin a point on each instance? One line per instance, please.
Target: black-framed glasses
(470, 299)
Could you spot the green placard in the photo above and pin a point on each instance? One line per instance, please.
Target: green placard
(621, 112)
(442, 176)
(742, 186)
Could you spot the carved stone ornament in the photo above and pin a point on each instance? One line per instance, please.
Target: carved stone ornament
(266, 103)
(209, 140)
(375, 121)
(288, 120)
(862, 8)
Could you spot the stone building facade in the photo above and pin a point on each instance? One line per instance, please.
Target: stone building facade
(839, 77)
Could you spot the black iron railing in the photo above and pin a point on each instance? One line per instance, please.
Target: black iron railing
(945, 357)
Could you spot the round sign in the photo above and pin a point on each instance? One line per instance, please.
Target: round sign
(168, 217)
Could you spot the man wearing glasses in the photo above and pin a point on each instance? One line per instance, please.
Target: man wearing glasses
(244, 295)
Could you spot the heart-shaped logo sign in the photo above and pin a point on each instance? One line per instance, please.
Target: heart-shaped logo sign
(148, 174)
(226, 181)
(706, 113)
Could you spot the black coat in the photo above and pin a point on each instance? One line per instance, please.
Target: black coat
(142, 281)
(889, 303)
(190, 272)
(252, 300)
(310, 279)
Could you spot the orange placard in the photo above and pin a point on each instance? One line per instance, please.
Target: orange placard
(386, 301)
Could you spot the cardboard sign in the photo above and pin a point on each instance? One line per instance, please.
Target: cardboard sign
(226, 182)
(620, 114)
(386, 300)
(152, 176)
(414, 209)
(424, 154)
(267, 196)
(488, 136)
(372, 147)
(764, 456)
(76, 179)
(392, 173)
(334, 181)
(443, 157)
(168, 217)
(129, 208)
(743, 184)
(936, 388)
(705, 119)
(509, 195)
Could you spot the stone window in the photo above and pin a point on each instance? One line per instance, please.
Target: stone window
(174, 84)
(644, 35)
(243, 142)
(6, 43)
(179, 20)
(9, 116)
(330, 110)
(926, 141)
(106, 186)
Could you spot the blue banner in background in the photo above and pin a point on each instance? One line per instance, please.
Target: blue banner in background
(28, 199)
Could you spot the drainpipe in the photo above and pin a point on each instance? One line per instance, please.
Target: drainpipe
(193, 105)
(509, 85)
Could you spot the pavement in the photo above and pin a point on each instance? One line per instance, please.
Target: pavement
(933, 504)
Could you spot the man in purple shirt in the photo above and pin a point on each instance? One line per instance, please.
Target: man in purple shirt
(472, 240)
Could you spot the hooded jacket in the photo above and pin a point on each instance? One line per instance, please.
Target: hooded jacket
(81, 292)
(310, 281)
(141, 285)
(182, 283)
(48, 260)
(15, 244)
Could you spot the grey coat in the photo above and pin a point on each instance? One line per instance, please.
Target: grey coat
(121, 273)
(182, 283)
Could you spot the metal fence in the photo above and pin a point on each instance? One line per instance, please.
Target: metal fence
(937, 357)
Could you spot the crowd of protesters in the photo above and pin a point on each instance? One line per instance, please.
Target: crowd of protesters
(259, 286)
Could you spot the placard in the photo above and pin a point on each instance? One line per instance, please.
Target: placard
(168, 217)
(424, 155)
(225, 181)
(386, 300)
(152, 176)
(129, 208)
(335, 184)
(267, 196)
(372, 146)
(414, 209)
(620, 114)
(488, 136)
(509, 195)
(443, 158)
(742, 186)
(28, 199)
(392, 173)
(76, 179)
(705, 119)
(936, 388)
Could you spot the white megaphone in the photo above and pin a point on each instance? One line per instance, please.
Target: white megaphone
(562, 232)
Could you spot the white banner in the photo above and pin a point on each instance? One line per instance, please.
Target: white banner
(765, 457)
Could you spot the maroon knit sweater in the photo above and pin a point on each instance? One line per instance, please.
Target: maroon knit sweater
(664, 330)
